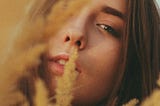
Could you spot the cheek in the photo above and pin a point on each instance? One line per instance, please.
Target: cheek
(103, 56)
(106, 60)
(100, 72)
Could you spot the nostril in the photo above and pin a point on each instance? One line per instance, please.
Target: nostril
(78, 43)
(67, 38)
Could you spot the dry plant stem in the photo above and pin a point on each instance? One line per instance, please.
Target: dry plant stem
(63, 10)
(154, 99)
(132, 102)
(41, 94)
(25, 50)
(12, 99)
(24, 54)
(65, 83)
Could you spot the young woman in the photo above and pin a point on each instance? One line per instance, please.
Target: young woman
(118, 44)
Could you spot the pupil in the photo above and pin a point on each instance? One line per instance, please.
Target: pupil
(78, 43)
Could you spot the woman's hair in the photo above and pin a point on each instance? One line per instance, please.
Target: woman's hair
(141, 51)
(140, 58)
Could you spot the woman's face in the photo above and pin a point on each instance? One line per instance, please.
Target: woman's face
(95, 32)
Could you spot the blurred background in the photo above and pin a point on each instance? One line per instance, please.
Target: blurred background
(158, 2)
(11, 11)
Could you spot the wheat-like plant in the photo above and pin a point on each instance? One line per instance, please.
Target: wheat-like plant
(65, 82)
(63, 13)
(23, 53)
(132, 102)
(152, 100)
(41, 97)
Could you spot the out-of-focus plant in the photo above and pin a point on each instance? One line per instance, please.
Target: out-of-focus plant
(23, 52)
(65, 83)
(152, 100)
(133, 102)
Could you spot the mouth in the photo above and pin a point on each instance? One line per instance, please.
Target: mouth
(57, 63)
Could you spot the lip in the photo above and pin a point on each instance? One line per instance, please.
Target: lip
(55, 67)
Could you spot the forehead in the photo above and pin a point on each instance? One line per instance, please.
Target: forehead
(119, 5)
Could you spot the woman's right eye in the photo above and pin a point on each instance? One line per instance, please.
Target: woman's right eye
(108, 29)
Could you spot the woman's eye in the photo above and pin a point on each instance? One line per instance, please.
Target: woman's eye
(107, 28)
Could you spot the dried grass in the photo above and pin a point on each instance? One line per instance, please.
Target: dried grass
(152, 100)
(133, 102)
(41, 98)
(66, 82)
(54, 23)
(23, 53)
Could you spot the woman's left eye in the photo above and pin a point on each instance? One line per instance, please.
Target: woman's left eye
(108, 29)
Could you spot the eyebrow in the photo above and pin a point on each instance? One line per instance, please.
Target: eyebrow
(114, 12)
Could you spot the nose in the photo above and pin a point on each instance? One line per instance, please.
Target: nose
(77, 31)
(75, 38)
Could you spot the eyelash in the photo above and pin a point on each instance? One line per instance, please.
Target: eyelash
(108, 29)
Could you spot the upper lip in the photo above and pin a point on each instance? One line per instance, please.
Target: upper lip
(64, 57)
(58, 57)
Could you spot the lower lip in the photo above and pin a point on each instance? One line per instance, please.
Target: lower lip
(56, 68)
